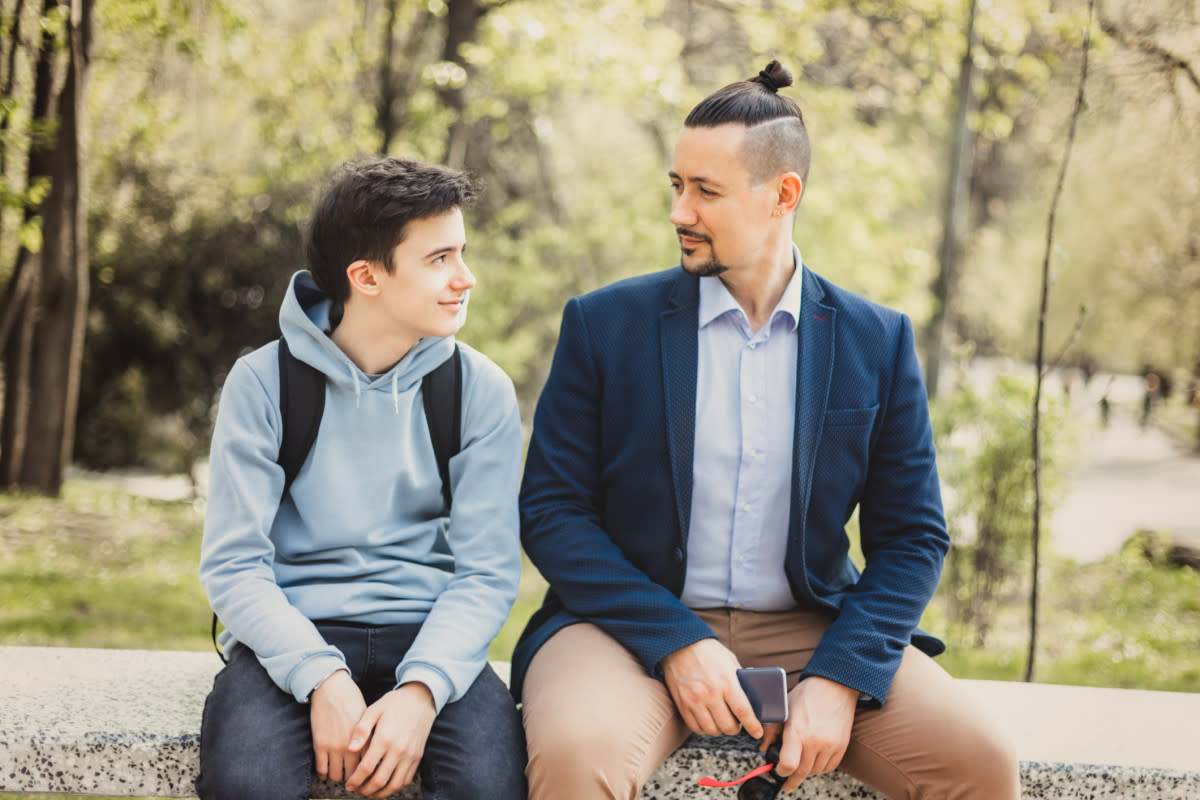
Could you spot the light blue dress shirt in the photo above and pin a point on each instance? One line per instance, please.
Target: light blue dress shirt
(742, 466)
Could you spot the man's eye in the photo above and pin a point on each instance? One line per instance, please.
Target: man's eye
(707, 192)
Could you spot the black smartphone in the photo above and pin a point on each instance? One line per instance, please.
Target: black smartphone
(766, 688)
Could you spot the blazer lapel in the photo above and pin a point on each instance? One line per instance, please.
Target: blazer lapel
(680, 355)
(814, 370)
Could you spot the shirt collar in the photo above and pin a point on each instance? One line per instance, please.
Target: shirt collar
(715, 299)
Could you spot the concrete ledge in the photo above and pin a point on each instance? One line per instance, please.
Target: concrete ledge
(126, 723)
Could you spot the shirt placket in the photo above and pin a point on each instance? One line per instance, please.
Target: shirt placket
(747, 517)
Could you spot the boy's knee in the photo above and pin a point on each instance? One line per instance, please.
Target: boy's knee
(247, 778)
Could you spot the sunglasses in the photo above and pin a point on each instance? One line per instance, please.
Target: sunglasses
(758, 784)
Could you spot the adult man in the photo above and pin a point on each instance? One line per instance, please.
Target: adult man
(704, 435)
(358, 608)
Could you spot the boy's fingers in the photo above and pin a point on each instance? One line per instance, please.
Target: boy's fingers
(362, 731)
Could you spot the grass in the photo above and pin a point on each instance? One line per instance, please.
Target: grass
(1121, 622)
(101, 568)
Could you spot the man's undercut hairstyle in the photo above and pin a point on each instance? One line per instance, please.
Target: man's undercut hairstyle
(364, 212)
(776, 140)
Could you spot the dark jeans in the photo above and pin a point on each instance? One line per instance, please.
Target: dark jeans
(256, 740)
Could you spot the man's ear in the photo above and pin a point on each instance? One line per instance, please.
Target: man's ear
(789, 187)
(362, 278)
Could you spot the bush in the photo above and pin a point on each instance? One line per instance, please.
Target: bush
(985, 457)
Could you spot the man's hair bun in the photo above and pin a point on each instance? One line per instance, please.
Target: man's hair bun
(774, 77)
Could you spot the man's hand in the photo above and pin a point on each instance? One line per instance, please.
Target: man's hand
(702, 679)
(334, 709)
(390, 740)
(817, 731)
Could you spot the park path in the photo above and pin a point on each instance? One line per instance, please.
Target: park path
(1125, 478)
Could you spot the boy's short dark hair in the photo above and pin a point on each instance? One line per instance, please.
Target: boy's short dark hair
(777, 140)
(365, 209)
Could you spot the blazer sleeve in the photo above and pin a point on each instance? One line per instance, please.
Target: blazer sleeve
(904, 540)
(562, 528)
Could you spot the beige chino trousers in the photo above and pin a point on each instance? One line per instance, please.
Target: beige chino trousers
(598, 726)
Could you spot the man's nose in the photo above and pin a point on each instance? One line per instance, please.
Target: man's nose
(682, 213)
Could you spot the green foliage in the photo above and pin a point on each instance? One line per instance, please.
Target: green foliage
(166, 323)
(214, 122)
(985, 458)
(1124, 621)
(100, 568)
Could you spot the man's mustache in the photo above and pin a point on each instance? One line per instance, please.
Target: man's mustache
(692, 235)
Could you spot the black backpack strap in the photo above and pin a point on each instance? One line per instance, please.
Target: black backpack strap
(442, 389)
(301, 404)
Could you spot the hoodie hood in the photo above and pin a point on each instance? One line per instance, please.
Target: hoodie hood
(304, 320)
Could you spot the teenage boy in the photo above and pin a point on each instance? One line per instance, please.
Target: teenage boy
(358, 607)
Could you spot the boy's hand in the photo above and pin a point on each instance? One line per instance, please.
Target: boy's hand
(390, 740)
(335, 708)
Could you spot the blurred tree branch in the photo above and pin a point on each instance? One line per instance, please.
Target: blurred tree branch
(1135, 41)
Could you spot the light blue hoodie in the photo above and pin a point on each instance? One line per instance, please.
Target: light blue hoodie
(361, 536)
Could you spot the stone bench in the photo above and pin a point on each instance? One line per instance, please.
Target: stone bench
(126, 723)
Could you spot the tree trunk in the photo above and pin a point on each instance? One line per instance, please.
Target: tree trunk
(18, 311)
(952, 218)
(385, 117)
(59, 306)
(462, 24)
(1039, 361)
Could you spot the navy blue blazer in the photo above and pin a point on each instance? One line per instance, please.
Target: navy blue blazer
(606, 496)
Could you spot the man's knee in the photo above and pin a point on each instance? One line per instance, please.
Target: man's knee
(992, 767)
(591, 762)
(979, 762)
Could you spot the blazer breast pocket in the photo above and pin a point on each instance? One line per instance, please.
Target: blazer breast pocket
(850, 417)
(843, 455)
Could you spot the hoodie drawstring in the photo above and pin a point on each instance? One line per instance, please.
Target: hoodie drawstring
(357, 386)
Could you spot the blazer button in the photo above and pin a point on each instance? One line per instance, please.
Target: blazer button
(678, 555)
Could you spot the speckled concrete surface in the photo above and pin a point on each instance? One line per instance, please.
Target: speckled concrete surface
(126, 723)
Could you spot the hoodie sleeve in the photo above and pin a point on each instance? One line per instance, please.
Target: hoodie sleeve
(237, 555)
(451, 649)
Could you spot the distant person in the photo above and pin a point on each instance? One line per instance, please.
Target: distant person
(1087, 368)
(703, 438)
(1106, 404)
(1150, 396)
(358, 609)
(1193, 390)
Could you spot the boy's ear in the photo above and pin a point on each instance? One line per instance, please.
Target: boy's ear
(362, 277)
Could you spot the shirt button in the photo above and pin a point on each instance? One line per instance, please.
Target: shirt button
(752, 345)
(737, 605)
(741, 559)
(753, 399)
(746, 508)
(754, 452)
